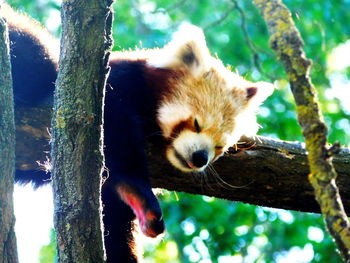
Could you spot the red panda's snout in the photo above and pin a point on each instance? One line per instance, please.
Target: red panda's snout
(191, 151)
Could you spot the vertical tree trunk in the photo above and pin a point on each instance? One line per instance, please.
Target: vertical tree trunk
(285, 39)
(8, 247)
(77, 152)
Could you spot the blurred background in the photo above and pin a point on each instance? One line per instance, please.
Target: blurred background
(199, 228)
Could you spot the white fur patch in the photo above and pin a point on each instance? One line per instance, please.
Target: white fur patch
(185, 145)
(264, 90)
(170, 114)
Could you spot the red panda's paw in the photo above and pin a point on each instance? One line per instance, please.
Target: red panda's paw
(145, 206)
(151, 224)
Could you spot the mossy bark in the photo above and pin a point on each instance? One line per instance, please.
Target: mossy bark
(286, 41)
(8, 247)
(77, 147)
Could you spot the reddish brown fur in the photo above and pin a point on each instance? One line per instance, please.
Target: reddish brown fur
(160, 79)
(181, 126)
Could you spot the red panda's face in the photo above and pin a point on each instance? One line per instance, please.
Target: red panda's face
(192, 147)
(206, 108)
(200, 119)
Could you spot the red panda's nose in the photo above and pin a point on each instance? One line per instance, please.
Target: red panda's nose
(200, 158)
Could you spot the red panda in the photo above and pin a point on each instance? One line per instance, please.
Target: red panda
(34, 57)
(199, 106)
(208, 108)
(203, 107)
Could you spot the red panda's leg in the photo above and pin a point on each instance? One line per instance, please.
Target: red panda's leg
(128, 180)
(119, 228)
(134, 198)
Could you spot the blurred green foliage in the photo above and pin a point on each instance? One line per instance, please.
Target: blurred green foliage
(203, 229)
(48, 252)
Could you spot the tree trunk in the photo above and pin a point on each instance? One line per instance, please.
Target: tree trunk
(77, 147)
(8, 247)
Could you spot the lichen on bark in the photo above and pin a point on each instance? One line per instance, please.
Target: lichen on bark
(288, 45)
(8, 247)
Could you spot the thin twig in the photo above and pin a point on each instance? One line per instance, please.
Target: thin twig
(171, 8)
(255, 49)
(221, 19)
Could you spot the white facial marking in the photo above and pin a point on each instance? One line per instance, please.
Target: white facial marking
(185, 145)
(171, 113)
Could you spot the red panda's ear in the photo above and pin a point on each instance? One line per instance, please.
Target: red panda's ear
(251, 91)
(257, 92)
(187, 50)
(189, 57)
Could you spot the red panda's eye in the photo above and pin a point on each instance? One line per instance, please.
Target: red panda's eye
(196, 126)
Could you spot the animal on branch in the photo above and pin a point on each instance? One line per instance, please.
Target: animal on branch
(178, 96)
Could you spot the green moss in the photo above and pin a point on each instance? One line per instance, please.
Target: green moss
(292, 77)
(60, 121)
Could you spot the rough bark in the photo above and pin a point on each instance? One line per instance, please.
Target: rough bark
(286, 41)
(272, 173)
(8, 247)
(77, 153)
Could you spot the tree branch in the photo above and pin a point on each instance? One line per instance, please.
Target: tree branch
(286, 41)
(272, 173)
